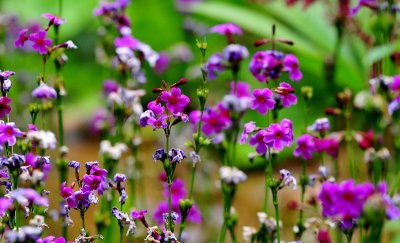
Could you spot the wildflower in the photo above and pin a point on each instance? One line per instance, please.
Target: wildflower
(214, 121)
(113, 151)
(158, 123)
(249, 127)
(44, 92)
(23, 37)
(124, 220)
(8, 133)
(248, 233)
(305, 147)
(285, 92)
(235, 53)
(278, 135)
(24, 234)
(176, 102)
(5, 204)
(126, 41)
(215, 64)
(287, 179)
(54, 20)
(176, 155)
(195, 157)
(40, 44)
(7, 84)
(258, 139)
(27, 197)
(226, 29)
(263, 100)
(45, 139)
(320, 125)
(145, 117)
(291, 65)
(232, 175)
(160, 155)
(5, 107)
(327, 145)
(266, 64)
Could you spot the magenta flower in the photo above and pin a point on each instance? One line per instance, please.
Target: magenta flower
(327, 145)
(110, 86)
(126, 41)
(5, 204)
(8, 133)
(176, 102)
(214, 121)
(266, 65)
(162, 63)
(52, 239)
(262, 101)
(54, 20)
(155, 107)
(305, 147)
(248, 128)
(258, 140)
(226, 29)
(395, 85)
(215, 64)
(21, 38)
(44, 92)
(5, 107)
(242, 89)
(66, 192)
(279, 135)
(291, 65)
(178, 189)
(139, 214)
(285, 92)
(91, 183)
(158, 123)
(40, 43)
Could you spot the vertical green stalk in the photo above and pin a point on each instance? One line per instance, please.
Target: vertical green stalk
(275, 202)
(303, 184)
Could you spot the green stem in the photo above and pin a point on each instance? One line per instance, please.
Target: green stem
(83, 219)
(266, 192)
(192, 181)
(170, 206)
(121, 232)
(275, 202)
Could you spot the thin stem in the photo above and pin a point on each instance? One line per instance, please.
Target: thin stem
(121, 232)
(266, 192)
(192, 181)
(170, 206)
(83, 219)
(275, 202)
(181, 228)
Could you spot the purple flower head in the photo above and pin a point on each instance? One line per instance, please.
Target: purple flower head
(91, 183)
(266, 64)
(263, 100)
(285, 92)
(54, 20)
(28, 196)
(320, 125)
(305, 147)
(227, 29)
(160, 155)
(176, 102)
(235, 53)
(145, 117)
(158, 123)
(176, 155)
(394, 105)
(119, 178)
(258, 139)
(327, 145)
(162, 63)
(240, 89)
(126, 41)
(75, 164)
(7, 84)
(5, 107)
(139, 214)
(21, 38)
(215, 64)
(110, 86)
(279, 135)
(15, 161)
(44, 92)
(155, 107)
(5, 204)
(291, 65)
(194, 118)
(40, 43)
(66, 192)
(395, 84)
(287, 179)
(178, 190)
(249, 127)
(215, 121)
(8, 133)
(51, 239)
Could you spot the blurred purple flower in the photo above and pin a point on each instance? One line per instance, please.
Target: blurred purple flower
(5, 107)
(263, 100)
(44, 92)
(215, 64)
(40, 43)
(226, 29)
(291, 65)
(305, 147)
(285, 92)
(54, 20)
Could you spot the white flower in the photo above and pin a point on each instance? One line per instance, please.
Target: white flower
(248, 232)
(232, 175)
(114, 152)
(149, 54)
(46, 139)
(288, 179)
(71, 45)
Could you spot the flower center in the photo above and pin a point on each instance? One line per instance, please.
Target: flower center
(278, 134)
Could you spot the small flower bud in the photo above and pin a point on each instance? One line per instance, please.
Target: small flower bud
(307, 92)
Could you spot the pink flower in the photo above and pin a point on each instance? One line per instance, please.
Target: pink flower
(285, 92)
(278, 135)
(305, 147)
(21, 39)
(214, 121)
(40, 43)
(54, 20)
(227, 29)
(158, 123)
(248, 128)
(126, 41)
(258, 139)
(8, 133)
(5, 107)
(291, 64)
(263, 100)
(176, 102)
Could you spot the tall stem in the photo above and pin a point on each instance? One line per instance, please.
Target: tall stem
(275, 202)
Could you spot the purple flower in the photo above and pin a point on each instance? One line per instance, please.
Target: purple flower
(145, 117)
(51, 239)
(214, 122)
(240, 89)
(158, 123)
(21, 39)
(278, 135)
(6, 74)
(139, 214)
(110, 86)
(28, 196)
(126, 41)
(54, 20)
(320, 125)
(8, 133)
(155, 107)
(305, 147)
(226, 29)
(327, 145)
(263, 100)
(5, 204)
(266, 64)
(162, 63)
(291, 65)
(160, 155)
(363, 3)
(249, 127)
(235, 53)
(215, 64)
(40, 43)
(66, 192)
(5, 107)
(176, 155)
(258, 139)
(394, 105)
(395, 85)
(178, 190)
(176, 102)
(91, 183)
(44, 92)
(119, 178)
(285, 92)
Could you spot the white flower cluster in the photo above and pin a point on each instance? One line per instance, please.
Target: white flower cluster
(114, 152)
(232, 175)
(45, 139)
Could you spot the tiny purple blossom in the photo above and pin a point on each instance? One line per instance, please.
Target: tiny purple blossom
(160, 155)
(119, 178)
(40, 43)
(21, 38)
(110, 86)
(176, 155)
(277, 136)
(305, 147)
(235, 53)
(227, 29)
(158, 123)
(249, 127)
(291, 64)
(44, 92)
(176, 102)
(215, 64)
(263, 100)
(54, 20)
(285, 92)
(5, 107)
(126, 41)
(258, 139)
(8, 133)
(156, 107)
